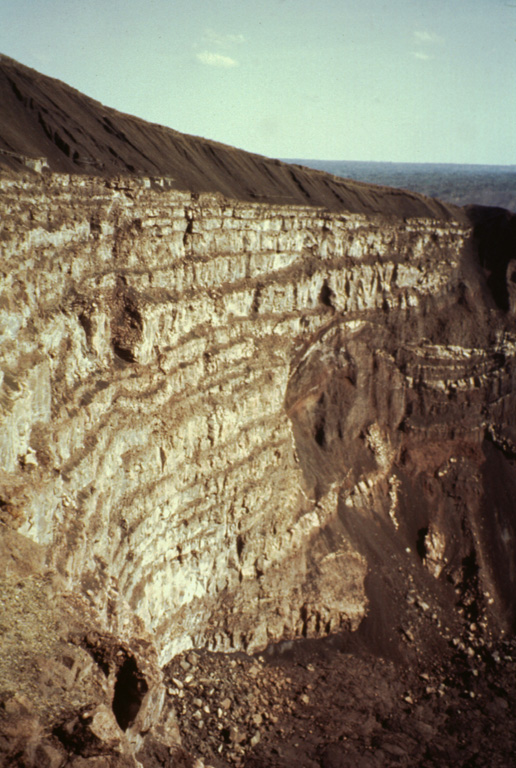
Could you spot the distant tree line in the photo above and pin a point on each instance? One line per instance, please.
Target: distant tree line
(460, 184)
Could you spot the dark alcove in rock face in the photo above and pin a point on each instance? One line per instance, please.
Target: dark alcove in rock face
(130, 688)
(495, 233)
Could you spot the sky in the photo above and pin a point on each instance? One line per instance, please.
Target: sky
(373, 80)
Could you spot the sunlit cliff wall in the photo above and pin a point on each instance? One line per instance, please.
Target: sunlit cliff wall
(196, 393)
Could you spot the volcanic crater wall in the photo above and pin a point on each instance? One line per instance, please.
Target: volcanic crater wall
(200, 399)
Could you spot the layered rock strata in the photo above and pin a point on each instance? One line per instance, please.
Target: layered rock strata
(193, 387)
(226, 424)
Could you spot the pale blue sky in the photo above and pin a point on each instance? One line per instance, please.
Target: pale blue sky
(400, 80)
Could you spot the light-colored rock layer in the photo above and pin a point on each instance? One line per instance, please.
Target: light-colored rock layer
(148, 340)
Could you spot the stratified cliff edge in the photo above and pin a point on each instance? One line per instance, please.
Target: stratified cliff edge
(227, 424)
(45, 123)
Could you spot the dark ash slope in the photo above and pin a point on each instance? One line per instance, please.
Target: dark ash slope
(43, 117)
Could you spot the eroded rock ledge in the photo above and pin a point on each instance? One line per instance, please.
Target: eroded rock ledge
(218, 418)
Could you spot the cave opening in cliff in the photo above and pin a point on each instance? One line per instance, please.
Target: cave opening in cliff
(320, 432)
(130, 688)
(127, 323)
(326, 295)
(421, 542)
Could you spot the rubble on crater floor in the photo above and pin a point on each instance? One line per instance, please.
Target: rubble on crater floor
(328, 708)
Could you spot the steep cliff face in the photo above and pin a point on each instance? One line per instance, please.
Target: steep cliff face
(228, 424)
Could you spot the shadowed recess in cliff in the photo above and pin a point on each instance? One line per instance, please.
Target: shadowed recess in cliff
(495, 230)
(130, 689)
(127, 323)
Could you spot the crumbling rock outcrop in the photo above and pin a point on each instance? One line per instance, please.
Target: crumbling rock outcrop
(68, 687)
(221, 421)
